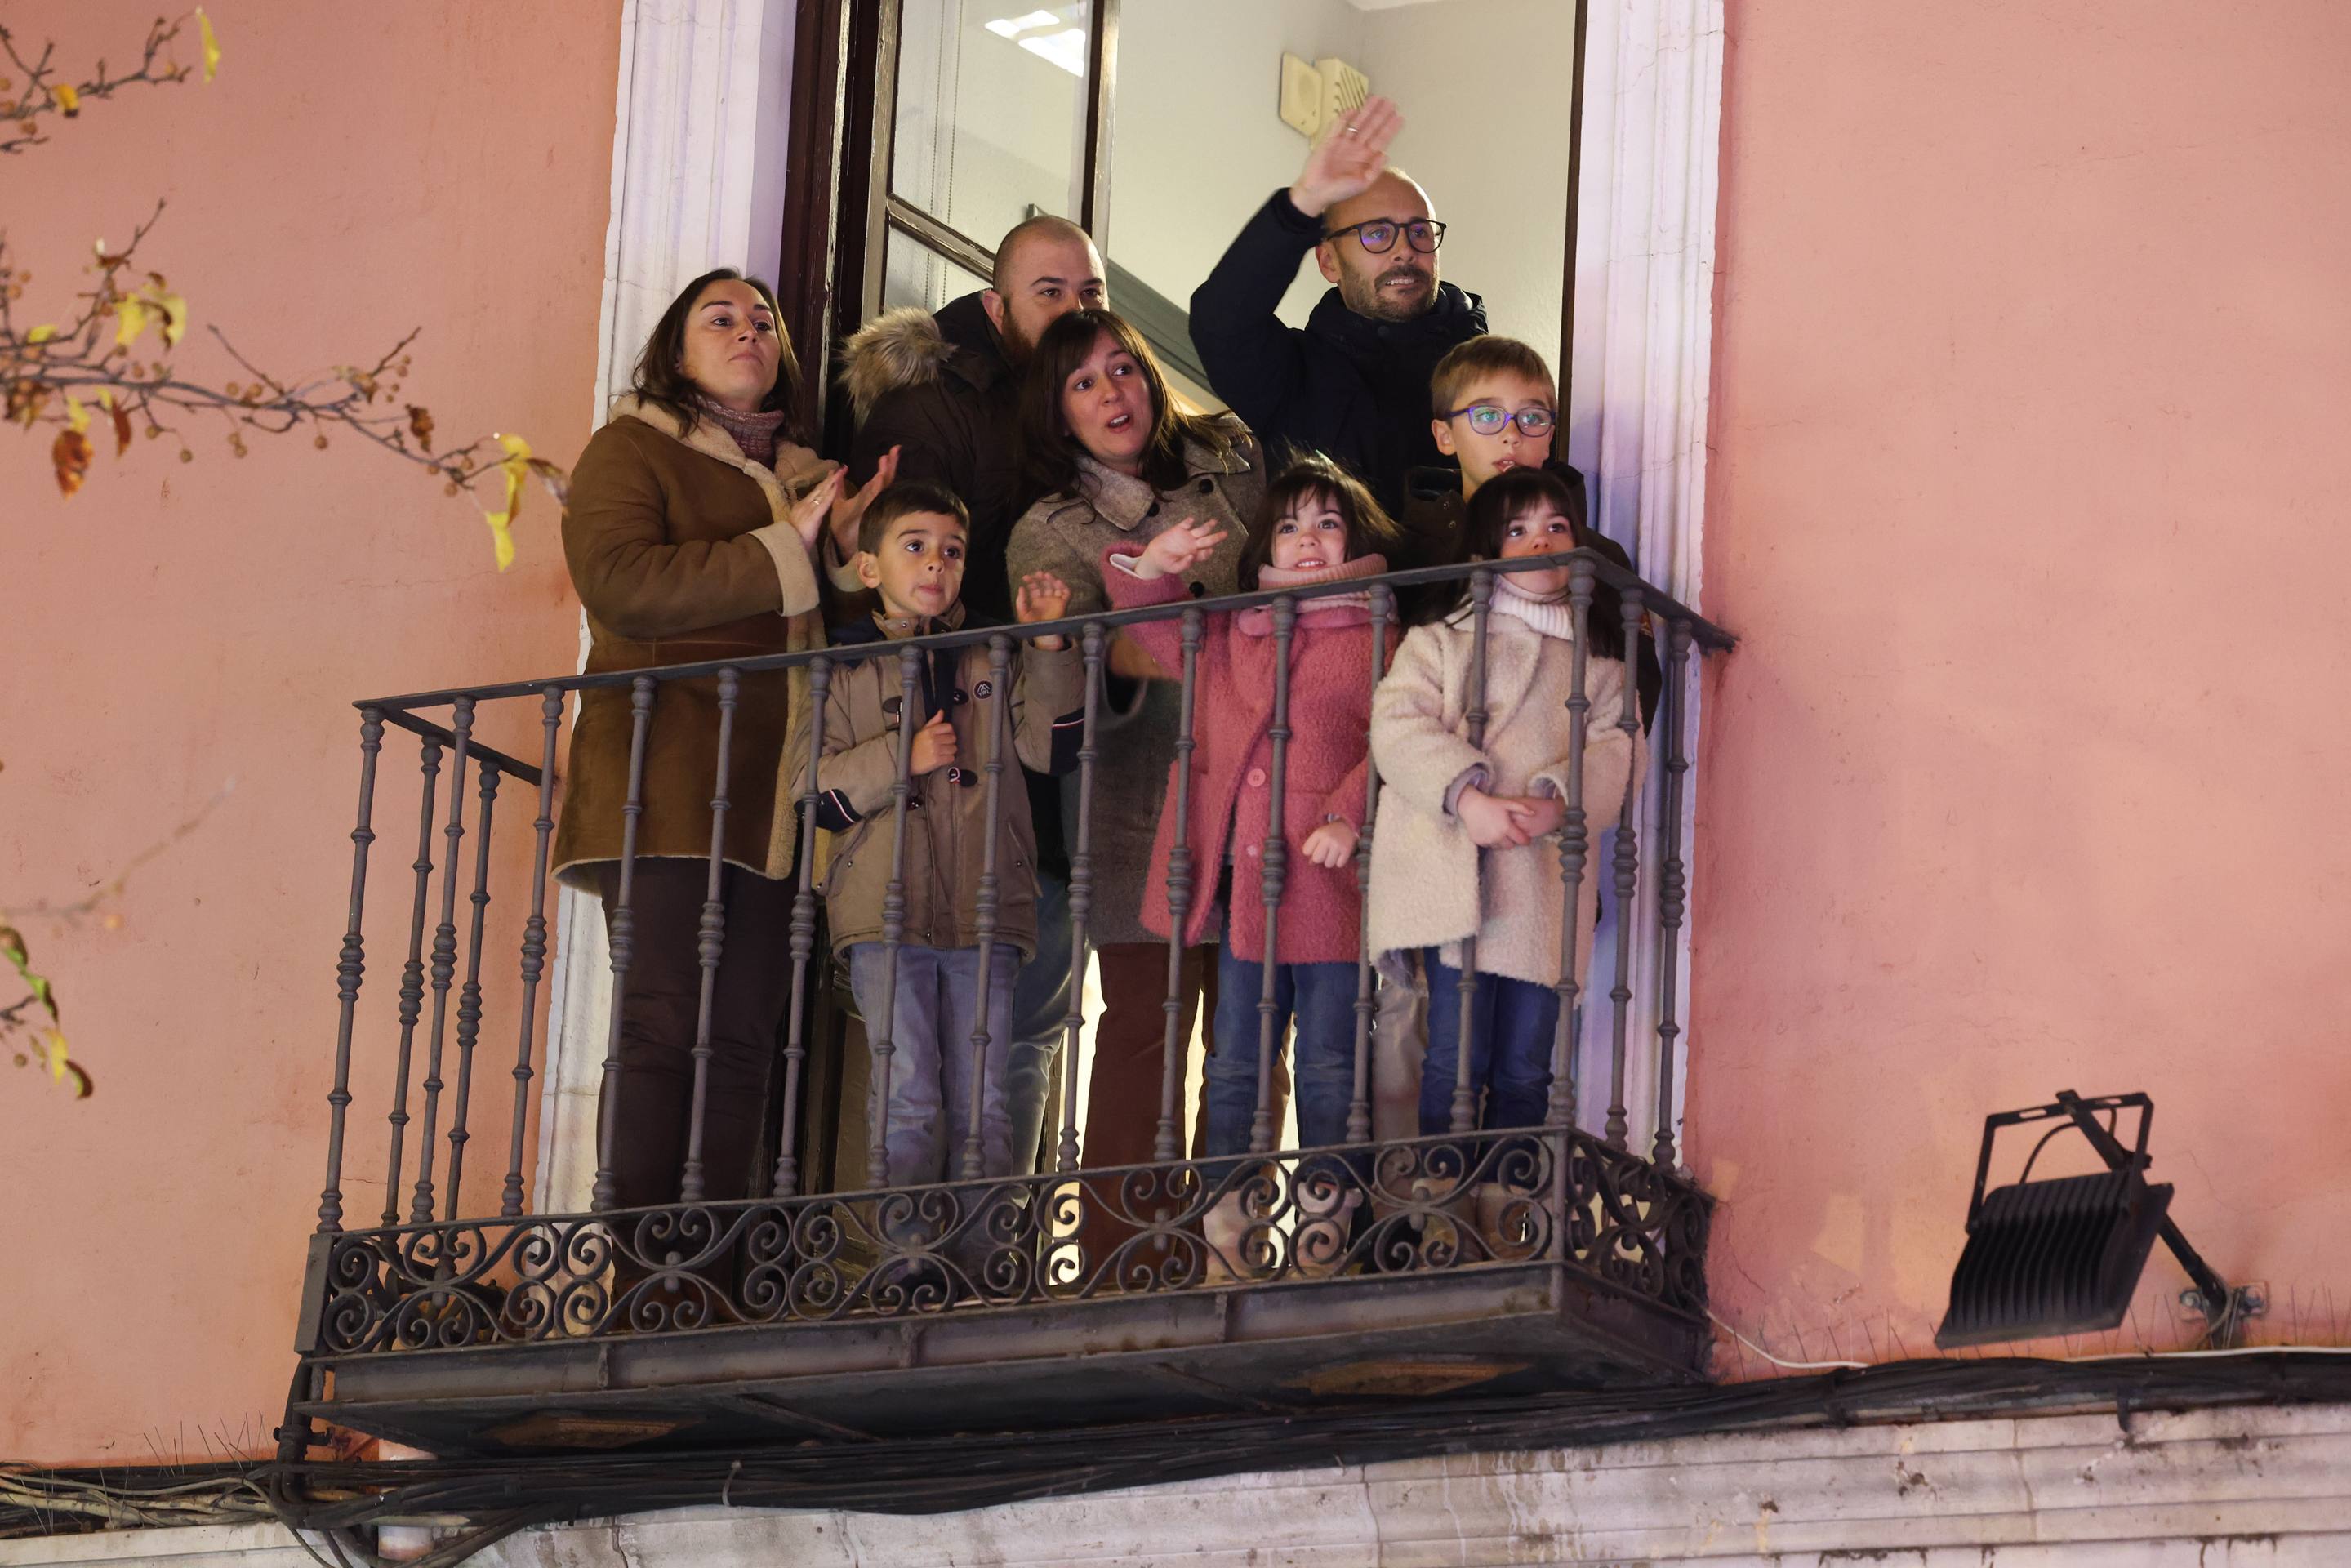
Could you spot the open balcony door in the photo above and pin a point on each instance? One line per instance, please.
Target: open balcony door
(835, 146)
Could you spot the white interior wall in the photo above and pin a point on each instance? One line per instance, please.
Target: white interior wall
(1196, 144)
(1485, 86)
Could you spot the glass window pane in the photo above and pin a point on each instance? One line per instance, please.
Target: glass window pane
(914, 274)
(991, 112)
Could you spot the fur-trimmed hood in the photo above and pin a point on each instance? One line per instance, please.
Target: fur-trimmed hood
(909, 346)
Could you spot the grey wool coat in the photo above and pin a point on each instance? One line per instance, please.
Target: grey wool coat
(1134, 740)
(1431, 886)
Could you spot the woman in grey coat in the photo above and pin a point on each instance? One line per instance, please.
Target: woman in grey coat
(1116, 463)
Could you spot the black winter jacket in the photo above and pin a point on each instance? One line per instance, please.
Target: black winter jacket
(937, 387)
(1345, 385)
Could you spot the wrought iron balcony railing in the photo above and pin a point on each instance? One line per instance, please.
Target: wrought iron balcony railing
(420, 1325)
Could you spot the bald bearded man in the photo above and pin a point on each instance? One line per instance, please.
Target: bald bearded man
(944, 388)
(1354, 382)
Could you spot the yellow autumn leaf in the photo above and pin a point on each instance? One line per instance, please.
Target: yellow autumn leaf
(515, 466)
(69, 100)
(40, 334)
(172, 310)
(76, 416)
(501, 536)
(53, 1055)
(212, 44)
(133, 314)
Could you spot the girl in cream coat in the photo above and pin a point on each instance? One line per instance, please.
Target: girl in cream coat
(1466, 841)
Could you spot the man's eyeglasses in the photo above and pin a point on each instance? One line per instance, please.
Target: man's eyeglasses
(1378, 236)
(1492, 418)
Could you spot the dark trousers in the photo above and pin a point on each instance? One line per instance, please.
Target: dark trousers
(1130, 1048)
(1511, 1029)
(652, 1091)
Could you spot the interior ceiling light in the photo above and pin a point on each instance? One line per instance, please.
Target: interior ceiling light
(2062, 1255)
(1013, 26)
(1066, 48)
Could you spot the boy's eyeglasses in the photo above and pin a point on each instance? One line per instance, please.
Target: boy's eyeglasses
(1492, 418)
(1378, 236)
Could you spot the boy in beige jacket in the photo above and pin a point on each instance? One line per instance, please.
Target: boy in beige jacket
(964, 886)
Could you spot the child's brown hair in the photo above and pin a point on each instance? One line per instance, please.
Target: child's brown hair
(1488, 356)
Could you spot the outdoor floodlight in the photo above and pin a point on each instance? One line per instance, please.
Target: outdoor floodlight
(2062, 1255)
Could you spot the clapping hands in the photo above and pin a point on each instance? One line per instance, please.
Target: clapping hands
(832, 502)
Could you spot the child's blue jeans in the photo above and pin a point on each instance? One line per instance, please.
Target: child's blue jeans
(1321, 998)
(1512, 1025)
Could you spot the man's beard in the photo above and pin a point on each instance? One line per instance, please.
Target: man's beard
(1018, 350)
(1367, 297)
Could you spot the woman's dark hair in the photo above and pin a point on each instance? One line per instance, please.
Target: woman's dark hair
(1316, 478)
(660, 378)
(1507, 497)
(1049, 452)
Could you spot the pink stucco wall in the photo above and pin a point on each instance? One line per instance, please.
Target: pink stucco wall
(354, 171)
(2033, 353)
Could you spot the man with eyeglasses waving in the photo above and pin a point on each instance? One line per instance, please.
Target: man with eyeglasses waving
(1353, 382)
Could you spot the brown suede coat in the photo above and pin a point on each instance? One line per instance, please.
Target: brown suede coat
(680, 550)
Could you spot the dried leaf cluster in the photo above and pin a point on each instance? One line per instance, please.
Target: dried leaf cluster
(37, 90)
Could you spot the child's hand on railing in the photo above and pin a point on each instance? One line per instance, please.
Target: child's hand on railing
(1331, 846)
(1177, 549)
(935, 746)
(1042, 596)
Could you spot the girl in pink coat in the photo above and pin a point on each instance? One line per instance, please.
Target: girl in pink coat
(1317, 526)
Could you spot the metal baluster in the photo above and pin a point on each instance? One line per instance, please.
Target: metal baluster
(1628, 864)
(803, 942)
(894, 923)
(350, 964)
(1167, 1141)
(1464, 1095)
(1081, 893)
(1000, 712)
(469, 997)
(1672, 888)
(1575, 844)
(444, 956)
(1359, 1106)
(412, 974)
(621, 925)
(534, 946)
(1273, 875)
(711, 941)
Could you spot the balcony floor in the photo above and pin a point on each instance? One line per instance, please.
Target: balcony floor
(1512, 1328)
